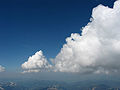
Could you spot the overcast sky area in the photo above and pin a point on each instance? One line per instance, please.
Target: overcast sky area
(44, 38)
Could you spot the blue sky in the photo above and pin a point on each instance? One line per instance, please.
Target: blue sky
(27, 26)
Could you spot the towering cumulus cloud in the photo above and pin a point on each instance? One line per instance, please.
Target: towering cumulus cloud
(97, 50)
(2, 69)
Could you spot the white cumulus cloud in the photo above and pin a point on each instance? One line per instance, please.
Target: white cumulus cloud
(97, 50)
(36, 63)
(2, 69)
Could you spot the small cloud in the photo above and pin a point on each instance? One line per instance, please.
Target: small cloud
(2, 69)
(36, 63)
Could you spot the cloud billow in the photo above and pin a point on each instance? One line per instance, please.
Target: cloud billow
(96, 50)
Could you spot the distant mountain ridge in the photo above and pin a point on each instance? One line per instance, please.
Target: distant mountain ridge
(55, 85)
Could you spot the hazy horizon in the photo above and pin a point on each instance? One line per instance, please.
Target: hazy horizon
(61, 44)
